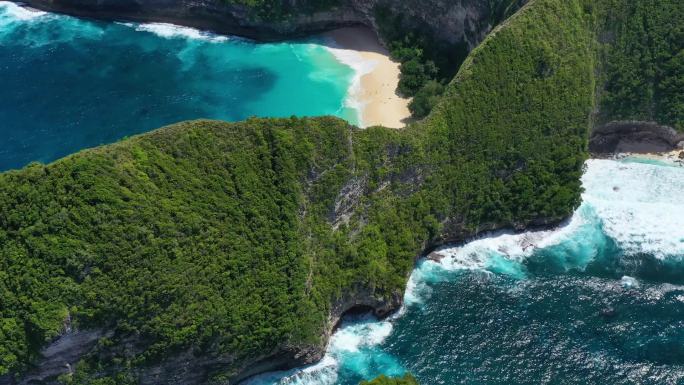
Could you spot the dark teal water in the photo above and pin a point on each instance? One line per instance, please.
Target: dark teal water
(598, 301)
(68, 84)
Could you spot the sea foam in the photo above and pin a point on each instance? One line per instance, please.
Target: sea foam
(172, 31)
(361, 67)
(635, 206)
(640, 205)
(353, 348)
(15, 11)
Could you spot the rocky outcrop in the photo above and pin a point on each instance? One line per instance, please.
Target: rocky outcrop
(191, 366)
(59, 357)
(634, 136)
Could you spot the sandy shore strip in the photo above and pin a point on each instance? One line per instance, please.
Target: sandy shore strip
(373, 90)
(674, 157)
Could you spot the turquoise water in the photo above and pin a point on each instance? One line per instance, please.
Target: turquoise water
(599, 300)
(68, 84)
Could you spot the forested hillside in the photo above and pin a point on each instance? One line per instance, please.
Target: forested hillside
(232, 244)
(643, 56)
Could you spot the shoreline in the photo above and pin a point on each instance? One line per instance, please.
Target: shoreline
(372, 92)
(674, 157)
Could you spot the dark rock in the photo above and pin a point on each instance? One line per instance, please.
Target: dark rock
(633, 136)
(59, 357)
(435, 256)
(681, 155)
(608, 313)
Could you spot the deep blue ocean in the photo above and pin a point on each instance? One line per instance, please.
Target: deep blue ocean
(67, 84)
(600, 300)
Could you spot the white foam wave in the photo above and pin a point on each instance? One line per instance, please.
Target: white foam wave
(356, 335)
(361, 67)
(172, 31)
(352, 346)
(629, 282)
(640, 205)
(30, 27)
(18, 12)
(637, 205)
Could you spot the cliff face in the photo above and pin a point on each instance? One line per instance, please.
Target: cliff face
(215, 15)
(451, 21)
(190, 367)
(634, 136)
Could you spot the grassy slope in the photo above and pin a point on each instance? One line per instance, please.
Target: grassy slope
(219, 236)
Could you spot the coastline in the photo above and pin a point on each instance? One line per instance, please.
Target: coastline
(373, 89)
(674, 157)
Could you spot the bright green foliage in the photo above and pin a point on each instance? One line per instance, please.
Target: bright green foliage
(643, 52)
(513, 124)
(384, 380)
(426, 98)
(237, 237)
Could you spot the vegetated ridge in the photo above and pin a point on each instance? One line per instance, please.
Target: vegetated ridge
(206, 252)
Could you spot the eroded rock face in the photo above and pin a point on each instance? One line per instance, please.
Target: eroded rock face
(191, 366)
(59, 357)
(633, 136)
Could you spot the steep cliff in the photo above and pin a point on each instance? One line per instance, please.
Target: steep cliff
(206, 252)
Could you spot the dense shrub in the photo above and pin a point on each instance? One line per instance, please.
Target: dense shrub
(643, 56)
(426, 98)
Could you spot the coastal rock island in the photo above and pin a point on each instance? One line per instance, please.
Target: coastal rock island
(207, 252)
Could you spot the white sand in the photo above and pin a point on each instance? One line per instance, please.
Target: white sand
(373, 90)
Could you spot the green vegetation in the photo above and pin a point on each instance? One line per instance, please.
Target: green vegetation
(424, 58)
(426, 98)
(383, 380)
(235, 239)
(427, 61)
(643, 52)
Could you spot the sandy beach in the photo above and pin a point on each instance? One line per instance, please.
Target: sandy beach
(373, 91)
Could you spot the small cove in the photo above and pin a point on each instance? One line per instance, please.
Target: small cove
(70, 83)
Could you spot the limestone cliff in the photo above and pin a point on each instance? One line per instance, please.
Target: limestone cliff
(451, 21)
